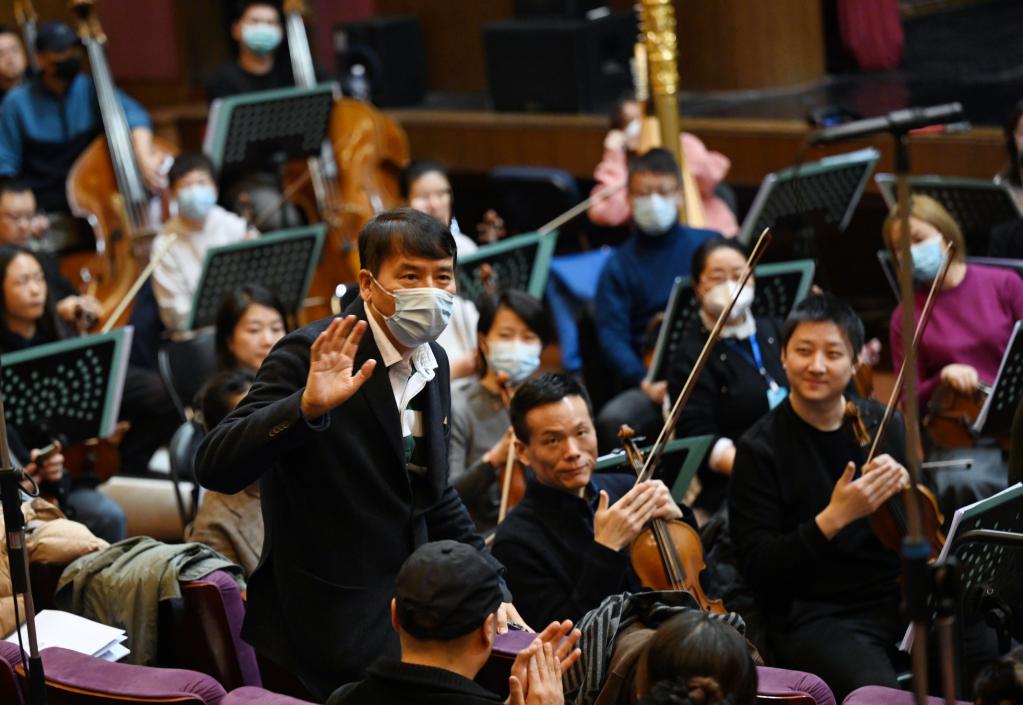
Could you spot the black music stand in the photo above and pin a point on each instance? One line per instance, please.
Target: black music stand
(995, 417)
(518, 262)
(283, 262)
(978, 205)
(681, 459)
(789, 200)
(779, 287)
(247, 132)
(70, 389)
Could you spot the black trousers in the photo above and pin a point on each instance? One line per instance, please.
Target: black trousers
(848, 646)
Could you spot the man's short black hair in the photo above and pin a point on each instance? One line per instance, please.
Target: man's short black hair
(217, 395)
(9, 29)
(13, 184)
(655, 161)
(548, 388)
(826, 308)
(240, 6)
(415, 170)
(404, 231)
(187, 162)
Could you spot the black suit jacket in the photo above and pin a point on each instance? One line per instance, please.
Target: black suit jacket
(341, 511)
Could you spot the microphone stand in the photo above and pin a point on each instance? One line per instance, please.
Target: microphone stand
(14, 521)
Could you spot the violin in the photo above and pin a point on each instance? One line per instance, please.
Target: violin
(358, 175)
(105, 185)
(889, 521)
(952, 415)
(669, 554)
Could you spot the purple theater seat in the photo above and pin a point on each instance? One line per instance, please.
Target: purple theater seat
(879, 695)
(70, 672)
(250, 695)
(10, 685)
(205, 635)
(783, 682)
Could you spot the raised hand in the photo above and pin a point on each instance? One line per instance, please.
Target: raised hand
(617, 525)
(332, 379)
(562, 638)
(854, 499)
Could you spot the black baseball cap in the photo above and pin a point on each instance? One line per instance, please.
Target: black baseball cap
(445, 590)
(55, 36)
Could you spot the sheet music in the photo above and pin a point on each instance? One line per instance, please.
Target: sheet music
(69, 631)
(978, 425)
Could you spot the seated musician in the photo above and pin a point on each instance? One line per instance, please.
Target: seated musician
(28, 318)
(250, 321)
(346, 427)
(743, 379)
(13, 61)
(621, 145)
(798, 504)
(565, 545)
(230, 523)
(47, 122)
(20, 225)
(513, 330)
(445, 613)
(634, 288)
(200, 224)
(963, 344)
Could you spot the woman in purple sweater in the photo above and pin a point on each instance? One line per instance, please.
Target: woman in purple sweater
(970, 326)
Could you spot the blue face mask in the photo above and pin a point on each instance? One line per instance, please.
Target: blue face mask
(261, 38)
(928, 256)
(196, 202)
(420, 314)
(515, 358)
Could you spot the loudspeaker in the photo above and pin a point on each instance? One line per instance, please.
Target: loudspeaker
(392, 50)
(561, 66)
(576, 9)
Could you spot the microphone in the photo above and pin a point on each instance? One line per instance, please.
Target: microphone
(895, 122)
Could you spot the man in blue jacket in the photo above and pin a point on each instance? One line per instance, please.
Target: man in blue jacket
(635, 286)
(47, 122)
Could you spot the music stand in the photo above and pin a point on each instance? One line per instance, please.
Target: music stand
(681, 459)
(250, 130)
(978, 205)
(779, 287)
(518, 262)
(995, 417)
(71, 388)
(832, 185)
(283, 262)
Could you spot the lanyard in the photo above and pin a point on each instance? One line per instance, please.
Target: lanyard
(757, 360)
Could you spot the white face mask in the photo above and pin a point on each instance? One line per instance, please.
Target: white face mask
(717, 297)
(633, 129)
(655, 214)
(420, 314)
(515, 358)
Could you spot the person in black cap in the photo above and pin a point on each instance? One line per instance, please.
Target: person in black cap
(445, 615)
(47, 122)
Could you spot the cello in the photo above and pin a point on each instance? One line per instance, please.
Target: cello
(105, 185)
(669, 555)
(359, 176)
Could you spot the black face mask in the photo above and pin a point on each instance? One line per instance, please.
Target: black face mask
(68, 68)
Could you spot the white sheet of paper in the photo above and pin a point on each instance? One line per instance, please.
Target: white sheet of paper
(69, 631)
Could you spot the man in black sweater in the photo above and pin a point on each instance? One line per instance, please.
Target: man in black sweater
(798, 511)
(565, 545)
(444, 611)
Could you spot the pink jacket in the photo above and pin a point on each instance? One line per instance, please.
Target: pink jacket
(708, 169)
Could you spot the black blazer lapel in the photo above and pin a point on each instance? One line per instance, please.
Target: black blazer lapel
(377, 390)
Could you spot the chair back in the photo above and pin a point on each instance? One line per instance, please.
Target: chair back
(10, 685)
(203, 632)
(182, 449)
(185, 365)
(259, 696)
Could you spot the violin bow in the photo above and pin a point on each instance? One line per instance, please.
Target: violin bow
(653, 457)
(925, 315)
(509, 464)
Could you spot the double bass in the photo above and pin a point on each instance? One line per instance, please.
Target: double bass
(105, 185)
(356, 179)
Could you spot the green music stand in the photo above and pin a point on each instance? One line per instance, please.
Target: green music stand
(251, 130)
(833, 185)
(978, 205)
(71, 388)
(779, 287)
(283, 262)
(681, 459)
(518, 262)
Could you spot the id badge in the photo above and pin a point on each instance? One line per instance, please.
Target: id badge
(775, 396)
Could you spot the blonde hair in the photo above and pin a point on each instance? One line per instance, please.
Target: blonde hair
(930, 211)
